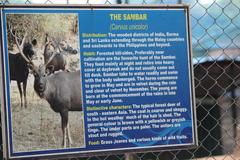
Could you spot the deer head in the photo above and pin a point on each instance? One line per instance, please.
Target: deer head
(25, 48)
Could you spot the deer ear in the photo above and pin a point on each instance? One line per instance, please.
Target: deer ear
(34, 42)
(50, 69)
(47, 71)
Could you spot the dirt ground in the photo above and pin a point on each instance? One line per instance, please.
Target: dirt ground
(38, 127)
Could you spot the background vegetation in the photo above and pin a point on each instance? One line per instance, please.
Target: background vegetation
(59, 26)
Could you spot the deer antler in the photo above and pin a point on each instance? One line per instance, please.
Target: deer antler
(50, 59)
(23, 40)
(20, 46)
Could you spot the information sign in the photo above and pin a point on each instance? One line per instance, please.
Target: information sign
(99, 78)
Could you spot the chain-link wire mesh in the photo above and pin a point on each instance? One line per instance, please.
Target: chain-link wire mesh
(215, 26)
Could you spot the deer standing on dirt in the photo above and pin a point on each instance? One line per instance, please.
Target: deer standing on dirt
(62, 91)
(18, 64)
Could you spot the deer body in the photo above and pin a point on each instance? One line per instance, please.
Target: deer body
(60, 89)
(63, 92)
(19, 68)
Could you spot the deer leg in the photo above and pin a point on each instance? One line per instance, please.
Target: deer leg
(20, 91)
(64, 116)
(69, 135)
(24, 92)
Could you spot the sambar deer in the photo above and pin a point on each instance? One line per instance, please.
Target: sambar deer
(63, 92)
(18, 64)
(58, 62)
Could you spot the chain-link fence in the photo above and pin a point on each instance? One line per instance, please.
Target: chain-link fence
(215, 28)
